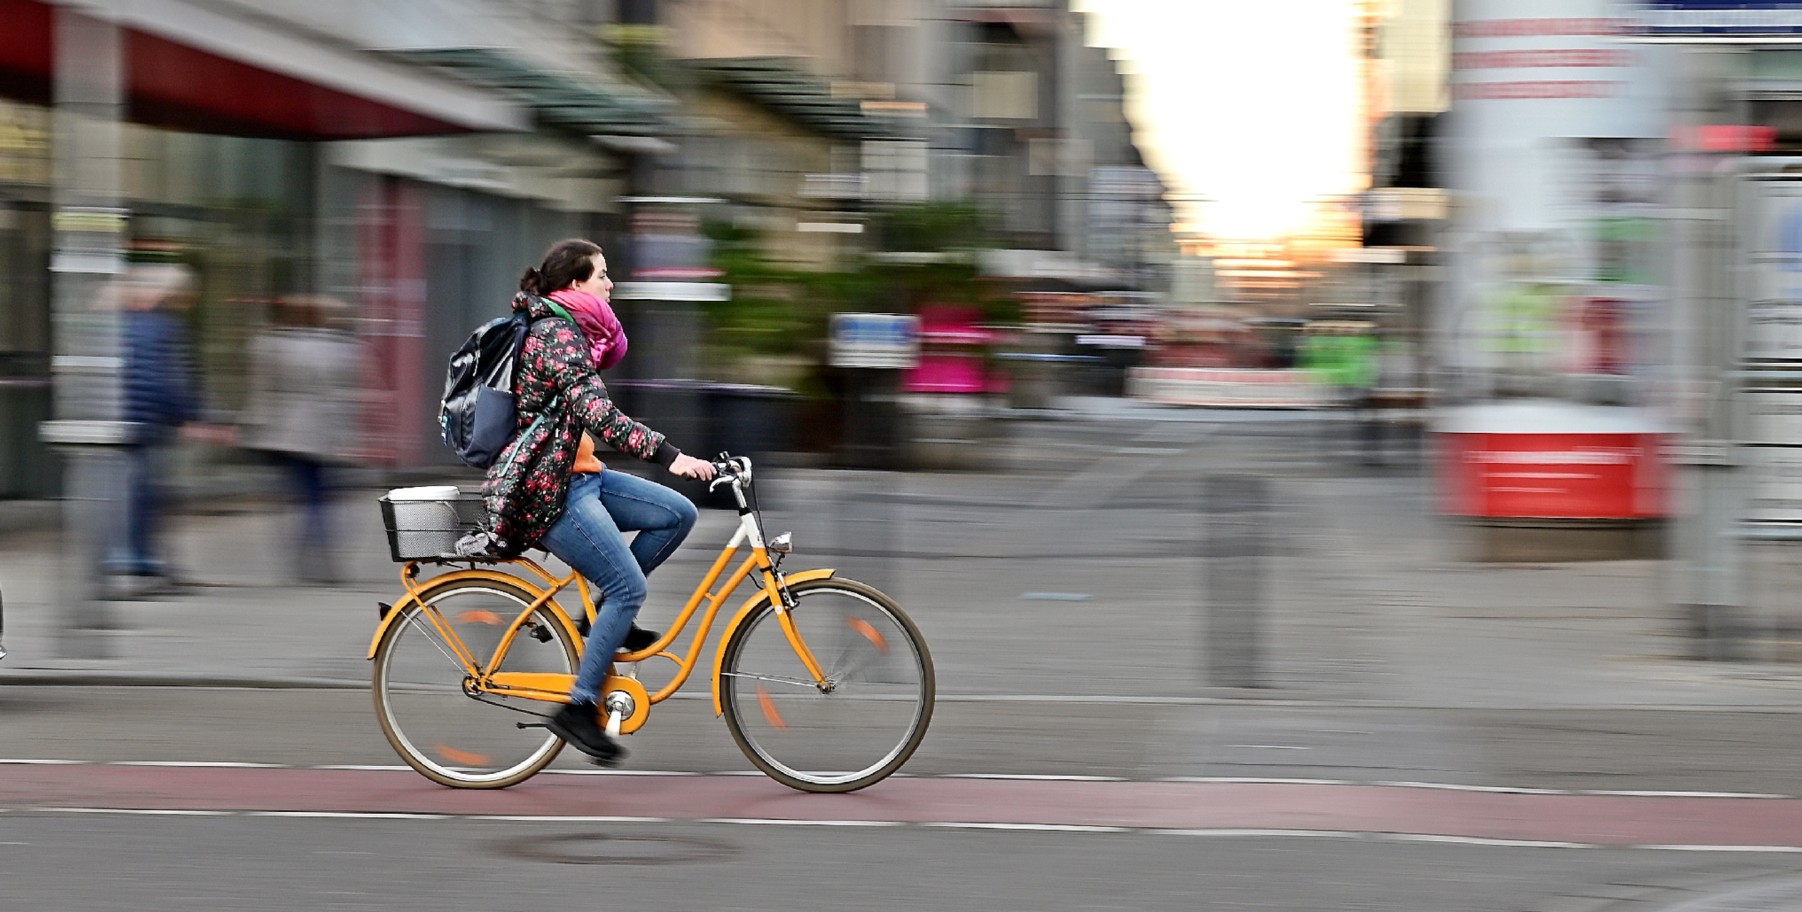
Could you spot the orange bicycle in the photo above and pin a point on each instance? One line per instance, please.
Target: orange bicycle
(824, 682)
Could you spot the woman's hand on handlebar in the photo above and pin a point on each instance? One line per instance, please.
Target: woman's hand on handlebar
(690, 467)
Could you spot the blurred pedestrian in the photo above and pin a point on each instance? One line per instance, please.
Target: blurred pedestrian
(549, 489)
(1342, 356)
(302, 412)
(160, 399)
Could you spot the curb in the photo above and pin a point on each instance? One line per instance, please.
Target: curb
(81, 678)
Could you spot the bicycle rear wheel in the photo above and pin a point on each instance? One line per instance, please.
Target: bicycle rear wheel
(450, 736)
(869, 719)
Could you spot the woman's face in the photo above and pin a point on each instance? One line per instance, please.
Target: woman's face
(597, 284)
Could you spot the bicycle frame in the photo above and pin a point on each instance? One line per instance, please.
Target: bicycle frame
(483, 676)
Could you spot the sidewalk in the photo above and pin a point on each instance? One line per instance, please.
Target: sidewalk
(1073, 571)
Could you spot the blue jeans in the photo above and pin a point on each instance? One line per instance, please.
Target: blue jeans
(590, 538)
(308, 476)
(133, 549)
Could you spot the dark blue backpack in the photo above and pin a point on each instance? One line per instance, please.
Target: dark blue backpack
(477, 415)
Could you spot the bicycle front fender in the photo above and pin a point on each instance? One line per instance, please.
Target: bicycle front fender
(492, 576)
(744, 611)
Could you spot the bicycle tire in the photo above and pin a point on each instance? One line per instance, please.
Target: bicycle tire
(432, 692)
(850, 627)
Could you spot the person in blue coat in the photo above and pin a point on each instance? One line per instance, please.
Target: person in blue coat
(159, 397)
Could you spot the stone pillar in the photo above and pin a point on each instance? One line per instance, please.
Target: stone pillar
(89, 230)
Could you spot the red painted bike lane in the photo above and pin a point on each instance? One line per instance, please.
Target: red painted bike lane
(1611, 820)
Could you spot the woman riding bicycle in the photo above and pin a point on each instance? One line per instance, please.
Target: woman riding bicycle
(548, 489)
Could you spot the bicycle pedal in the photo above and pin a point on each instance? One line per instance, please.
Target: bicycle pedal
(603, 762)
(531, 725)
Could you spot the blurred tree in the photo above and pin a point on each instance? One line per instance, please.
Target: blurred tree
(925, 256)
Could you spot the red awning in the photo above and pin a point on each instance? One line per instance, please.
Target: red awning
(173, 85)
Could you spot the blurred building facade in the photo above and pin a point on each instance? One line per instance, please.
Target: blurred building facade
(388, 156)
(410, 158)
(1404, 210)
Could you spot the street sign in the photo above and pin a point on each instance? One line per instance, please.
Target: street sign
(1720, 18)
(874, 340)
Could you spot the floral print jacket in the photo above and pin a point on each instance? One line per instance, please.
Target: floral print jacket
(558, 395)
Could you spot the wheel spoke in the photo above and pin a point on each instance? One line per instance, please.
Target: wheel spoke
(433, 637)
(827, 739)
(774, 679)
(433, 723)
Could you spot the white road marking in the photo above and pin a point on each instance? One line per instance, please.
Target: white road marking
(1710, 848)
(1029, 827)
(1489, 841)
(1248, 833)
(1258, 780)
(150, 812)
(1636, 793)
(1236, 832)
(1027, 777)
(356, 815)
(1022, 777)
(1452, 787)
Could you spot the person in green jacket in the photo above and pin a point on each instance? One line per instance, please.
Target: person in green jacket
(1346, 359)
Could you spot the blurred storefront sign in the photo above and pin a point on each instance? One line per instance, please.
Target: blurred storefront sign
(1396, 204)
(191, 66)
(1774, 455)
(701, 292)
(1723, 138)
(1223, 388)
(1774, 260)
(1553, 476)
(1558, 317)
(1720, 18)
(24, 144)
(1055, 265)
(874, 340)
(1772, 347)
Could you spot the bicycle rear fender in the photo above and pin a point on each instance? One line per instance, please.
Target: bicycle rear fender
(744, 611)
(482, 575)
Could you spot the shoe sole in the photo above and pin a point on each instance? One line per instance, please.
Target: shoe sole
(600, 759)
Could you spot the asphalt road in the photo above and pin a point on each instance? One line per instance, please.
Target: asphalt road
(1082, 757)
(207, 798)
(101, 863)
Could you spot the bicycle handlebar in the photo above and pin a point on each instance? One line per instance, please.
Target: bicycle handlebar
(730, 469)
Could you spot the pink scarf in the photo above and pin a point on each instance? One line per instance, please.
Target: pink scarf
(606, 338)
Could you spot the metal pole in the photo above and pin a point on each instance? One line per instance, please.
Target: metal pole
(89, 227)
(1711, 480)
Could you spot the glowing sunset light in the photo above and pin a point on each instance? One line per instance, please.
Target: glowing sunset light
(1251, 111)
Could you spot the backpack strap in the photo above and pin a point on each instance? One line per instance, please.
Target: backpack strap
(558, 310)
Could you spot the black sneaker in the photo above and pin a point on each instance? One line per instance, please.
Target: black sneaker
(579, 724)
(639, 638)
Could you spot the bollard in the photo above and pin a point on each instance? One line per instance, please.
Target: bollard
(1235, 544)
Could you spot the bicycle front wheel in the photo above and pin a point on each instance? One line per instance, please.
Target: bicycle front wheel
(866, 721)
(450, 735)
